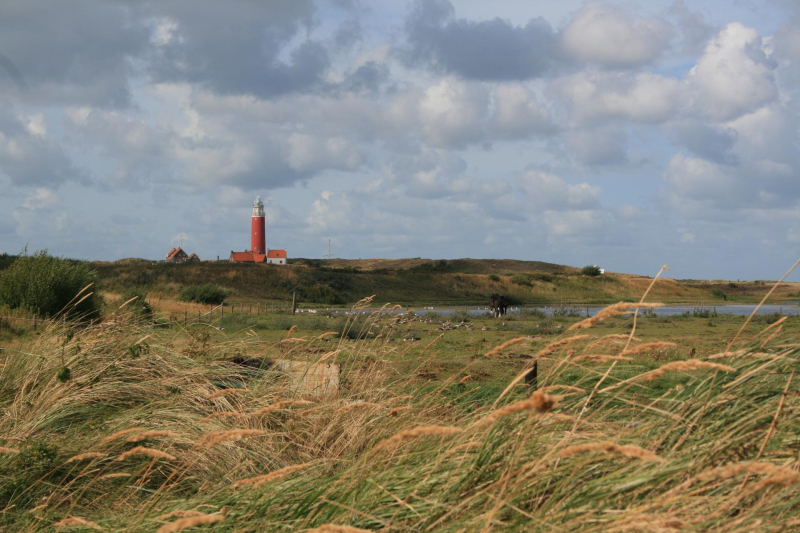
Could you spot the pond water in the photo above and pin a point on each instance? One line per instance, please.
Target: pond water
(788, 308)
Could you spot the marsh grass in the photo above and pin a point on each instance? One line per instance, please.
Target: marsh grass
(131, 443)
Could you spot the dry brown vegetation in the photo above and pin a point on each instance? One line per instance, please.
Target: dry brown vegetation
(617, 441)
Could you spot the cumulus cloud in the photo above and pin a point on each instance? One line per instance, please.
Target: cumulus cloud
(696, 184)
(607, 35)
(518, 113)
(471, 49)
(643, 97)
(733, 76)
(605, 145)
(708, 141)
(453, 113)
(41, 198)
(552, 193)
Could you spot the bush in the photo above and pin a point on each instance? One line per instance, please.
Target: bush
(590, 270)
(521, 279)
(494, 277)
(209, 293)
(139, 305)
(718, 293)
(46, 285)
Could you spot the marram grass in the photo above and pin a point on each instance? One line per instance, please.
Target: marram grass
(143, 440)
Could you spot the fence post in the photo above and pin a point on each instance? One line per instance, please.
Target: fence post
(185, 316)
(35, 317)
(294, 294)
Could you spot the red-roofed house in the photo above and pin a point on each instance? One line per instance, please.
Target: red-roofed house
(276, 257)
(247, 256)
(177, 255)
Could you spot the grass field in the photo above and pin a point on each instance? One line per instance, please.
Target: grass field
(647, 425)
(423, 282)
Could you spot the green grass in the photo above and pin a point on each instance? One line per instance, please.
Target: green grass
(509, 475)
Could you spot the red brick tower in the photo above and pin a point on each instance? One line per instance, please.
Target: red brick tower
(258, 239)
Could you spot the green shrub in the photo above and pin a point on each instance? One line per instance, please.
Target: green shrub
(210, 293)
(139, 305)
(718, 293)
(590, 270)
(521, 279)
(47, 285)
(494, 277)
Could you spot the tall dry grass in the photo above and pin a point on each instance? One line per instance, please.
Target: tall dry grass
(129, 442)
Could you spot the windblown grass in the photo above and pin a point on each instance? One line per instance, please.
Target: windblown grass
(143, 440)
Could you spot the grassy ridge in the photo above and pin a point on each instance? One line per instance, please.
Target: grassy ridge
(418, 282)
(606, 445)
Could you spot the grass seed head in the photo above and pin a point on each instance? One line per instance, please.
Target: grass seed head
(149, 452)
(151, 435)
(212, 439)
(409, 434)
(225, 392)
(260, 480)
(87, 455)
(629, 450)
(333, 528)
(497, 349)
(683, 366)
(190, 521)
(76, 521)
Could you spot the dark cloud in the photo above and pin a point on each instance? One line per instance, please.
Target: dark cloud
(368, 77)
(29, 159)
(708, 142)
(695, 32)
(486, 50)
(238, 47)
(72, 52)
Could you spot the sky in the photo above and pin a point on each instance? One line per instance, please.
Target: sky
(618, 133)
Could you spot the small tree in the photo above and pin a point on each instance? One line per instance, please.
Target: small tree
(590, 270)
(47, 285)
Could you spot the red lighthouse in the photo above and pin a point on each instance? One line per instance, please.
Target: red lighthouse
(258, 240)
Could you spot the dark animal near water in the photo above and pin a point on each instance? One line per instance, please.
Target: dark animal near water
(498, 305)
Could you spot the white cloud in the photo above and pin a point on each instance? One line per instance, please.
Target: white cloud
(734, 75)
(553, 193)
(41, 198)
(307, 153)
(599, 146)
(453, 113)
(517, 113)
(643, 97)
(605, 34)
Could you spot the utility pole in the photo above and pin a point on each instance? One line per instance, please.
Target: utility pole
(329, 256)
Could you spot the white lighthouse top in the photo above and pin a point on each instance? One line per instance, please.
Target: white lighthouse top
(258, 207)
